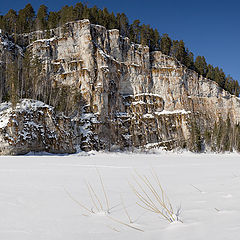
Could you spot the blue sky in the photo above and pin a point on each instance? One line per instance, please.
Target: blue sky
(208, 27)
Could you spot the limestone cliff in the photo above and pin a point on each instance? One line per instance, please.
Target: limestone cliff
(131, 96)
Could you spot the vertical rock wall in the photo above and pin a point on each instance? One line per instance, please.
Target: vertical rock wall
(127, 96)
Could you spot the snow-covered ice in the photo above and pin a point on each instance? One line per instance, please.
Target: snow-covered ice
(39, 195)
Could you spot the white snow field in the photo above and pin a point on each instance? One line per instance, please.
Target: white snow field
(43, 197)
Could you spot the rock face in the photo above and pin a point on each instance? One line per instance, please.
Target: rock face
(33, 126)
(121, 95)
(8, 50)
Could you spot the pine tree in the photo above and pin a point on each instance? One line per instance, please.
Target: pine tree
(189, 60)
(86, 12)
(174, 48)
(227, 142)
(181, 52)
(123, 24)
(214, 137)
(78, 11)
(207, 137)
(236, 88)
(53, 20)
(165, 44)
(2, 25)
(113, 21)
(10, 20)
(151, 39)
(36, 70)
(156, 40)
(12, 81)
(220, 132)
(42, 18)
(26, 19)
(134, 31)
(196, 140)
(219, 77)
(94, 15)
(210, 72)
(229, 84)
(26, 84)
(66, 14)
(106, 18)
(201, 65)
(237, 137)
(144, 35)
(232, 86)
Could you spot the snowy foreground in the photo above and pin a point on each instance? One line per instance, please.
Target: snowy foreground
(43, 197)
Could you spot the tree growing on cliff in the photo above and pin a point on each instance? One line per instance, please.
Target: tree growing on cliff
(86, 12)
(227, 139)
(2, 25)
(237, 137)
(236, 88)
(66, 14)
(12, 80)
(10, 20)
(112, 21)
(210, 72)
(53, 20)
(156, 40)
(201, 65)
(123, 24)
(189, 60)
(165, 44)
(42, 18)
(26, 84)
(145, 35)
(78, 11)
(93, 15)
(26, 19)
(196, 139)
(33, 85)
(36, 73)
(219, 77)
(134, 31)
(179, 51)
(105, 18)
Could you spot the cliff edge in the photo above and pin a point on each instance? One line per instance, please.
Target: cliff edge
(132, 97)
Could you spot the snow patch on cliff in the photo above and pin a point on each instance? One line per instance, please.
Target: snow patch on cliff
(33, 126)
(8, 44)
(165, 112)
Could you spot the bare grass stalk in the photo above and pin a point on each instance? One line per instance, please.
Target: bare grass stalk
(125, 210)
(125, 224)
(152, 197)
(97, 203)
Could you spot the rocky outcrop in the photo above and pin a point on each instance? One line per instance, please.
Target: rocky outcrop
(33, 126)
(119, 94)
(184, 88)
(145, 123)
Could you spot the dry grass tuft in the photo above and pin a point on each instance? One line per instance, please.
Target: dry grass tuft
(99, 206)
(153, 198)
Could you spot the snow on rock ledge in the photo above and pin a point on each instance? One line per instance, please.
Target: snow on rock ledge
(33, 126)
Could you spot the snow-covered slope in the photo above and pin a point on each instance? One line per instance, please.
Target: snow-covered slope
(33, 126)
(9, 45)
(39, 193)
